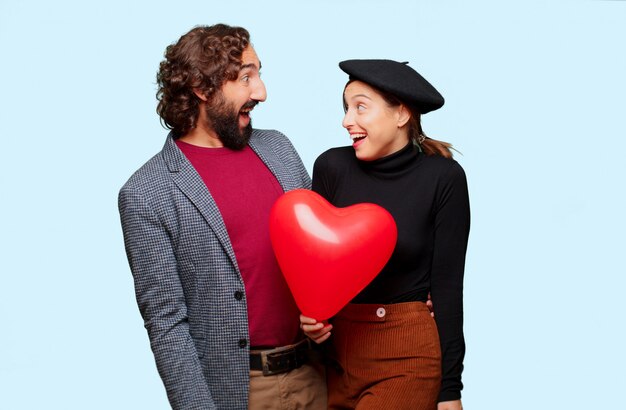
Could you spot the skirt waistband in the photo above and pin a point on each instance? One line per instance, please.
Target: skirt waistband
(380, 312)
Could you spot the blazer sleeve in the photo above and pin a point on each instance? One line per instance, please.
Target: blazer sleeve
(162, 304)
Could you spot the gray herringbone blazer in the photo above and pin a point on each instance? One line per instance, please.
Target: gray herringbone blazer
(186, 274)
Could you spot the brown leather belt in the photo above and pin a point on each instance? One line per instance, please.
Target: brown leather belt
(280, 359)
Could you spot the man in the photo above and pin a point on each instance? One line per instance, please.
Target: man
(195, 220)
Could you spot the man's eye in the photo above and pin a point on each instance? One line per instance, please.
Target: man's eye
(245, 78)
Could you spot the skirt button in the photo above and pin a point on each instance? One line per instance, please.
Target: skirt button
(380, 312)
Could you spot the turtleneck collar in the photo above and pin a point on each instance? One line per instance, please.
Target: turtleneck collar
(394, 163)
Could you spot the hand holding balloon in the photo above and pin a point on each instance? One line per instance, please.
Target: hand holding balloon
(317, 331)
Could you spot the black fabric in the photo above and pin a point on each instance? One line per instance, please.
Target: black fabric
(398, 79)
(428, 198)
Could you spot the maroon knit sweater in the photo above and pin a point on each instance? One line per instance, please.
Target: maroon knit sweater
(244, 190)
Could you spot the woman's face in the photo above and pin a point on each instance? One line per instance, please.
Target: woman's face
(376, 128)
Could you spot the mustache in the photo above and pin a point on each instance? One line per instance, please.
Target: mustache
(250, 104)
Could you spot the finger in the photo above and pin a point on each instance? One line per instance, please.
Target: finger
(318, 333)
(312, 328)
(307, 320)
(322, 338)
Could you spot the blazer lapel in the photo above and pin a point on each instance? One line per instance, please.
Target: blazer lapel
(273, 162)
(191, 184)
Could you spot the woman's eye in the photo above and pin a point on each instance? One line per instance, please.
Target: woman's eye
(360, 107)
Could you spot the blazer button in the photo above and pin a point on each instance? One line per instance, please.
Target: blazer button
(238, 295)
(243, 343)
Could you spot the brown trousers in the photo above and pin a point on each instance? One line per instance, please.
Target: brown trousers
(388, 357)
(299, 389)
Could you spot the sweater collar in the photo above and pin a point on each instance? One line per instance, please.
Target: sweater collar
(393, 163)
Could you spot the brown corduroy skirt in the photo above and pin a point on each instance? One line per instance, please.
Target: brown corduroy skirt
(388, 357)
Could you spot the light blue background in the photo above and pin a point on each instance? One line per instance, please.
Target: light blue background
(535, 100)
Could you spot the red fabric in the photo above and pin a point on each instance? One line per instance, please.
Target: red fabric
(244, 190)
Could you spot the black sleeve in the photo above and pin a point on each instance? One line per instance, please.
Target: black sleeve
(321, 178)
(452, 221)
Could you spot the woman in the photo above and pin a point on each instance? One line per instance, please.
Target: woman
(389, 351)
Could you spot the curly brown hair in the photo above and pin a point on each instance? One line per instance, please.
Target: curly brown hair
(201, 60)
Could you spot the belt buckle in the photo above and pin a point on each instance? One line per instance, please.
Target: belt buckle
(291, 350)
(266, 356)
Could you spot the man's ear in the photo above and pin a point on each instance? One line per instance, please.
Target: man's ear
(404, 115)
(200, 94)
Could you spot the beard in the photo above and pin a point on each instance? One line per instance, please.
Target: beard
(224, 119)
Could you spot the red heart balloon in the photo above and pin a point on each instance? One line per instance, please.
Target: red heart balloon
(328, 254)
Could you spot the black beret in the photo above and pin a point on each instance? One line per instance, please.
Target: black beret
(396, 78)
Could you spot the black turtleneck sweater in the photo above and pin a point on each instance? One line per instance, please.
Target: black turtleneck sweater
(427, 197)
